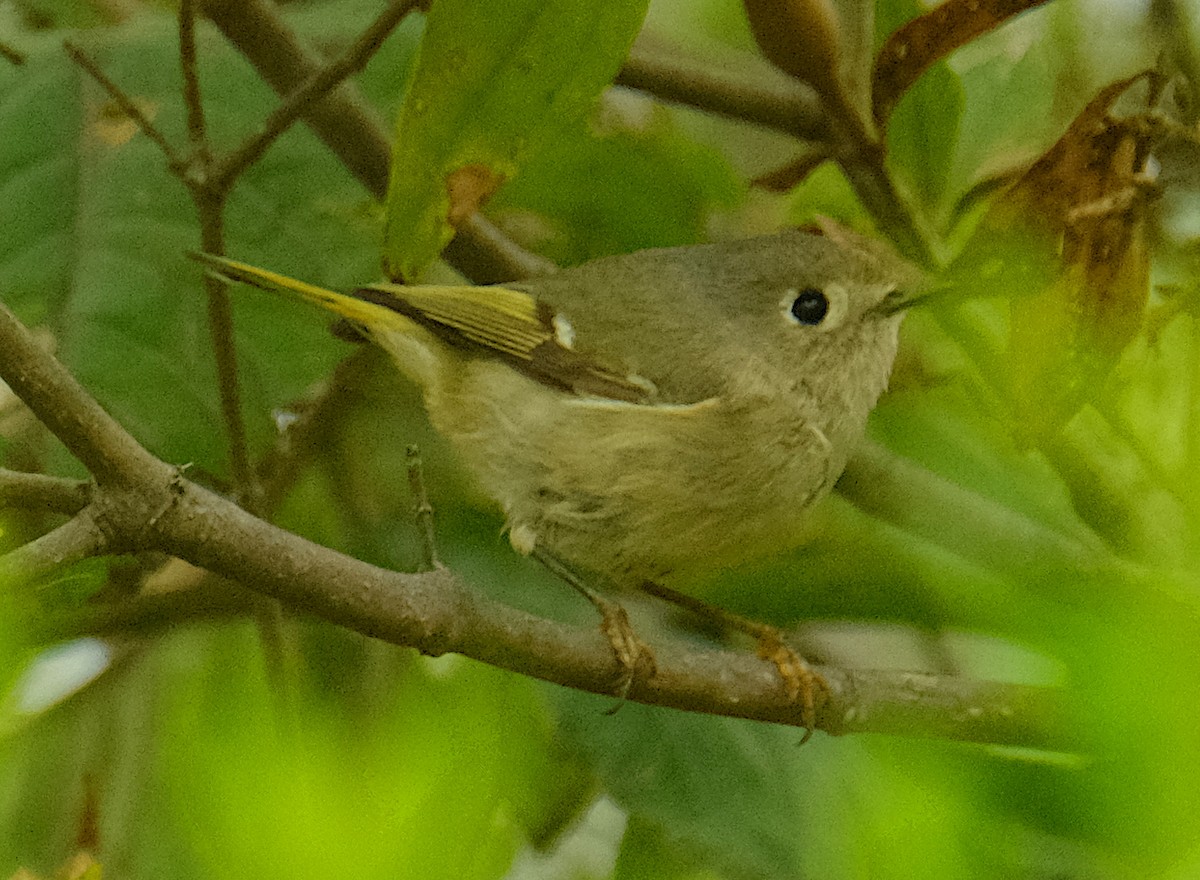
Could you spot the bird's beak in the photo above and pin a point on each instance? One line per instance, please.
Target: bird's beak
(903, 298)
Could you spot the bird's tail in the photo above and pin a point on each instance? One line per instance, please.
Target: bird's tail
(361, 312)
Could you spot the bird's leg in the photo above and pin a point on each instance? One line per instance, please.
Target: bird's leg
(633, 655)
(803, 685)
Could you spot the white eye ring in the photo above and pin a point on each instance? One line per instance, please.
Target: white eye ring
(835, 313)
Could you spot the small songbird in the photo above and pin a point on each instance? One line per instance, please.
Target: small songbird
(653, 417)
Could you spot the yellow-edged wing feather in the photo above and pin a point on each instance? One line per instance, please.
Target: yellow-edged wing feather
(500, 319)
(507, 323)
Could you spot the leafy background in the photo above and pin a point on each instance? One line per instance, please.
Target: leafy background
(175, 761)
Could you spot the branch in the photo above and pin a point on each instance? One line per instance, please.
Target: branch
(11, 55)
(78, 539)
(39, 492)
(89, 433)
(764, 97)
(435, 613)
(767, 99)
(142, 503)
(209, 201)
(128, 106)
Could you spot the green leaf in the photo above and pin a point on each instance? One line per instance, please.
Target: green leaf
(494, 85)
(710, 782)
(651, 187)
(826, 192)
(743, 800)
(923, 133)
(646, 851)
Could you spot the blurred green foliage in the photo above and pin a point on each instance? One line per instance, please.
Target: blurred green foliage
(384, 764)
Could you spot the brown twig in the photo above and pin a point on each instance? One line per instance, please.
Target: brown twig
(862, 158)
(210, 208)
(81, 537)
(128, 106)
(210, 182)
(314, 89)
(209, 198)
(11, 55)
(141, 503)
(197, 133)
(423, 510)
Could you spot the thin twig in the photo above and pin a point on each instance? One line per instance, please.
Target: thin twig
(329, 77)
(423, 510)
(862, 159)
(209, 192)
(211, 207)
(196, 128)
(210, 199)
(128, 106)
(11, 55)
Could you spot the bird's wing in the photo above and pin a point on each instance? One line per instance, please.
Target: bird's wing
(515, 326)
(509, 324)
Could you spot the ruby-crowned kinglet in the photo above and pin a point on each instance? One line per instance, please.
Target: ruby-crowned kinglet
(653, 416)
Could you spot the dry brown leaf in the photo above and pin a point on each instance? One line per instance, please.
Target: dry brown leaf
(1079, 211)
(916, 46)
(789, 176)
(801, 38)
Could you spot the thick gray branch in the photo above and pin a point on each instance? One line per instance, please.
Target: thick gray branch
(71, 414)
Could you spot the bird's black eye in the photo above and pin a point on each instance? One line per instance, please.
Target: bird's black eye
(810, 306)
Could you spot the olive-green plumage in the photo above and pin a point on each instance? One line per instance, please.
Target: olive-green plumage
(654, 416)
